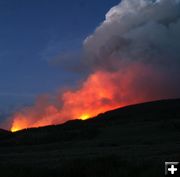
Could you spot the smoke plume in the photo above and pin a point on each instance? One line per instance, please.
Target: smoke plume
(133, 57)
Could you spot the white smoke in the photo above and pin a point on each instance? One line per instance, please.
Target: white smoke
(144, 30)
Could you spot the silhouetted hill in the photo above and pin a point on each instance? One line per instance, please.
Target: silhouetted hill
(4, 134)
(120, 142)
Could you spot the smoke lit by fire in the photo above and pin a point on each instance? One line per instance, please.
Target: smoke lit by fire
(102, 91)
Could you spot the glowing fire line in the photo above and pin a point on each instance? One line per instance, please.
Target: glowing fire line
(100, 92)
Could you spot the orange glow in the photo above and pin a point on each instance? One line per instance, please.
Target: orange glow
(84, 116)
(18, 123)
(100, 92)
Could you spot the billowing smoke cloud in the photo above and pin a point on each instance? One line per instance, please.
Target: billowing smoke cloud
(145, 30)
(133, 56)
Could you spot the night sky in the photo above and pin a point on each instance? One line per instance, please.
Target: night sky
(33, 34)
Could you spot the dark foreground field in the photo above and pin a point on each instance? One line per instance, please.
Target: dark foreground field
(134, 141)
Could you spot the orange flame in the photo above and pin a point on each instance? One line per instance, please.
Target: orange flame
(100, 92)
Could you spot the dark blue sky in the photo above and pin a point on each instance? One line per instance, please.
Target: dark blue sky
(34, 32)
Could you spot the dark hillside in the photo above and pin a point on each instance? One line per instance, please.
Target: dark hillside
(131, 141)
